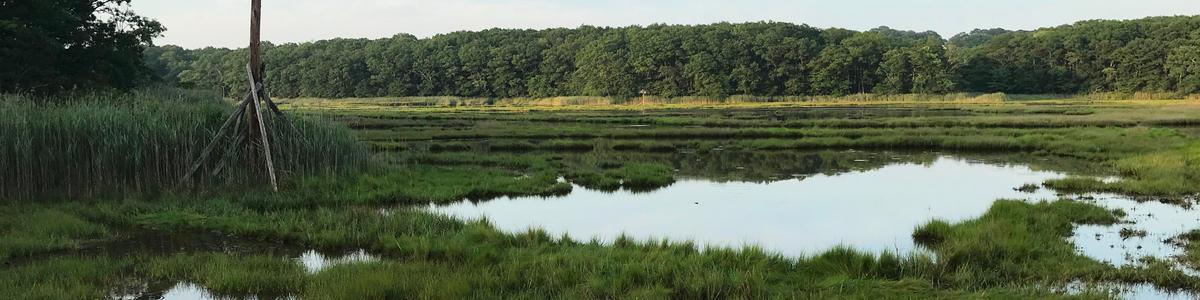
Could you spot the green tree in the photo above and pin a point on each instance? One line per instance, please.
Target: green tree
(603, 68)
(1183, 66)
(48, 46)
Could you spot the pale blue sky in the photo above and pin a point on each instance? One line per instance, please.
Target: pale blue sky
(223, 23)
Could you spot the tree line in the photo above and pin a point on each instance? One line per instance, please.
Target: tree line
(1158, 54)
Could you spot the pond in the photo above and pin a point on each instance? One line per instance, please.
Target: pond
(874, 209)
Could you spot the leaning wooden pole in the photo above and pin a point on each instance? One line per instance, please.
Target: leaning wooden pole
(262, 128)
(258, 130)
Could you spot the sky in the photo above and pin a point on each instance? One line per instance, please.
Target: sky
(225, 23)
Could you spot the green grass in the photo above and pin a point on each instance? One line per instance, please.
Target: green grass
(102, 144)
(63, 278)
(27, 230)
(1170, 176)
(1191, 242)
(1017, 241)
(229, 275)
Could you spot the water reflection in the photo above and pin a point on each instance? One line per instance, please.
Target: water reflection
(314, 261)
(1148, 228)
(1128, 291)
(874, 210)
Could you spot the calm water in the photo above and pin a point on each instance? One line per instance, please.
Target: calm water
(874, 210)
(1160, 222)
(792, 204)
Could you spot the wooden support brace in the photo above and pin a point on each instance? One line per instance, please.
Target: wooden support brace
(255, 90)
(216, 138)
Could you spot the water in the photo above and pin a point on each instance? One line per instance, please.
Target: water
(874, 210)
(1159, 221)
(313, 262)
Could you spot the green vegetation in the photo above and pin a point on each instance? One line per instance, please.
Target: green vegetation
(51, 46)
(442, 155)
(28, 230)
(99, 144)
(1017, 241)
(1191, 242)
(226, 275)
(1145, 58)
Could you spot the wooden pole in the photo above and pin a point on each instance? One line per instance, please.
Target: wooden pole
(262, 128)
(258, 130)
(255, 61)
(255, 45)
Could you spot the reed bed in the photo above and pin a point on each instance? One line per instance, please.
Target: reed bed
(102, 143)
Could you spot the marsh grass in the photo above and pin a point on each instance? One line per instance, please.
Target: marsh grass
(63, 278)
(264, 276)
(434, 256)
(102, 144)
(1171, 175)
(1190, 242)
(27, 230)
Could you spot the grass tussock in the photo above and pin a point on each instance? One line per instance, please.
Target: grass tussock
(264, 276)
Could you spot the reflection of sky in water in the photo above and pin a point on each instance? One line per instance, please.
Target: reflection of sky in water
(314, 261)
(311, 260)
(874, 210)
(1160, 222)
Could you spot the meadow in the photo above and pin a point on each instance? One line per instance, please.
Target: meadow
(365, 171)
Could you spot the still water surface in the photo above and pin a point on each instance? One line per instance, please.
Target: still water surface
(875, 210)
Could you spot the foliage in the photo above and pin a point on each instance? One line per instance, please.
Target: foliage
(716, 61)
(51, 46)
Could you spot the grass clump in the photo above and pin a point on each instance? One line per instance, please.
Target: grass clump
(1017, 241)
(638, 177)
(1191, 244)
(264, 276)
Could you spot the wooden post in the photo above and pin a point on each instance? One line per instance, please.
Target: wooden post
(257, 129)
(255, 45)
(256, 89)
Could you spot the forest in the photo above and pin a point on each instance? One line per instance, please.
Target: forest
(1157, 54)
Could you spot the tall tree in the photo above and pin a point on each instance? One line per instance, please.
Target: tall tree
(52, 45)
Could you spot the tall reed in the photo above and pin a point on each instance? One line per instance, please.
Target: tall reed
(104, 143)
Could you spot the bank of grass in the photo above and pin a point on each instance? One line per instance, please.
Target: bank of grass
(1172, 175)
(27, 230)
(637, 177)
(100, 144)
(63, 278)
(264, 276)
(1191, 244)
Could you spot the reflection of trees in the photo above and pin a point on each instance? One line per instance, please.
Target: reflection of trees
(769, 166)
(774, 166)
